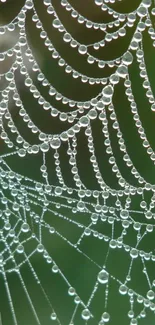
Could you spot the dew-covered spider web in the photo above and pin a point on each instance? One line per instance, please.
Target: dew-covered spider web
(77, 162)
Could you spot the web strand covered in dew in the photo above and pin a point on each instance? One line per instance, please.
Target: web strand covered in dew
(78, 199)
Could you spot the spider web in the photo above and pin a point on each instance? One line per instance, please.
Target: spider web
(77, 162)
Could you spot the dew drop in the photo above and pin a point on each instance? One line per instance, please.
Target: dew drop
(134, 253)
(67, 37)
(150, 295)
(56, 23)
(44, 147)
(53, 316)
(85, 314)
(127, 58)
(134, 321)
(124, 214)
(25, 227)
(40, 248)
(82, 49)
(108, 91)
(20, 249)
(123, 289)
(103, 277)
(55, 142)
(55, 269)
(122, 71)
(71, 291)
(105, 317)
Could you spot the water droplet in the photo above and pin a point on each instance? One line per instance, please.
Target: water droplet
(85, 314)
(56, 23)
(53, 316)
(40, 248)
(92, 114)
(22, 40)
(134, 321)
(134, 253)
(84, 121)
(113, 244)
(146, 3)
(55, 269)
(71, 291)
(20, 249)
(105, 317)
(114, 79)
(7, 226)
(25, 227)
(122, 71)
(77, 300)
(150, 295)
(29, 4)
(123, 289)
(108, 91)
(55, 142)
(9, 76)
(44, 147)
(124, 214)
(82, 49)
(127, 58)
(67, 37)
(80, 205)
(142, 11)
(103, 277)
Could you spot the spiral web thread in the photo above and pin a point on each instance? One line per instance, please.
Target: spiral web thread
(31, 209)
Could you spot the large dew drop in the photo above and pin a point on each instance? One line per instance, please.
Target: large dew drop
(108, 91)
(122, 71)
(84, 121)
(127, 58)
(55, 143)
